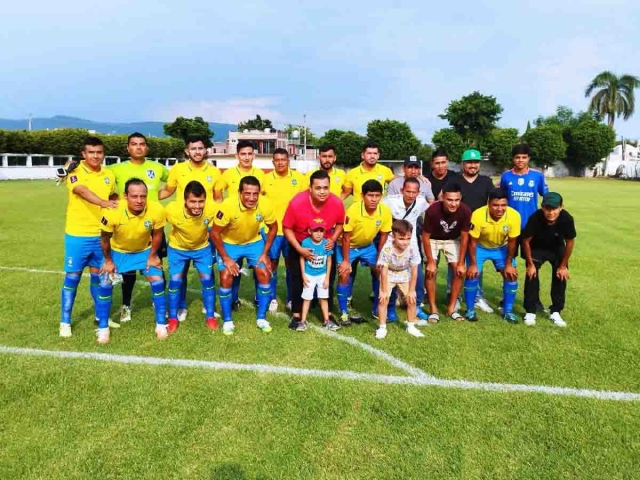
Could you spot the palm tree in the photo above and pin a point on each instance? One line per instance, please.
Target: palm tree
(614, 96)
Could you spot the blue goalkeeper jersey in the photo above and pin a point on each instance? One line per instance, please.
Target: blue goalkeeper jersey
(523, 191)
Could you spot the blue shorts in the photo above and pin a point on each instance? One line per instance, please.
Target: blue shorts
(80, 252)
(202, 259)
(497, 255)
(368, 255)
(213, 249)
(131, 262)
(279, 247)
(250, 251)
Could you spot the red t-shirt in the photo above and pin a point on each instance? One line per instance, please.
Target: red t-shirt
(301, 215)
(443, 225)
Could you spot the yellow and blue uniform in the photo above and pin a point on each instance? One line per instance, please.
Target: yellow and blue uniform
(358, 175)
(150, 172)
(337, 178)
(230, 179)
(183, 173)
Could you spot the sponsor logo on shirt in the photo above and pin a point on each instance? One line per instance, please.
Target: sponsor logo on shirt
(505, 228)
(337, 179)
(151, 174)
(104, 221)
(446, 227)
(219, 215)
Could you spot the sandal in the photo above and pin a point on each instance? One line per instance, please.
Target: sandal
(456, 316)
(433, 318)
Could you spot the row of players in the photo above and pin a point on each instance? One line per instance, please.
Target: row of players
(294, 211)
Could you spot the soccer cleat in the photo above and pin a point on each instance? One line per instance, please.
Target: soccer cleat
(510, 317)
(530, 319)
(173, 325)
(557, 320)
(293, 323)
(482, 304)
(125, 314)
(102, 335)
(212, 323)
(161, 332)
(331, 326)
(413, 331)
(471, 316)
(235, 306)
(345, 321)
(228, 328)
(381, 333)
(65, 330)
(273, 306)
(302, 327)
(264, 325)
(182, 314)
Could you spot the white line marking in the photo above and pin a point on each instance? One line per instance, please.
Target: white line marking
(342, 374)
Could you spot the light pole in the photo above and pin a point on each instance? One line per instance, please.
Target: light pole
(304, 123)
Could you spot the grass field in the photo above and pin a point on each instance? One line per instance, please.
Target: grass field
(76, 418)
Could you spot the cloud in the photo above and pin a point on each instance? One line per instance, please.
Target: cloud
(233, 110)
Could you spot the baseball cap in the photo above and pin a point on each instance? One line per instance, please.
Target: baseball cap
(471, 155)
(552, 199)
(411, 160)
(316, 228)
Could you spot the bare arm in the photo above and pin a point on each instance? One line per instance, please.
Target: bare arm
(472, 271)
(105, 243)
(431, 263)
(166, 192)
(345, 193)
(156, 241)
(526, 249)
(464, 242)
(83, 192)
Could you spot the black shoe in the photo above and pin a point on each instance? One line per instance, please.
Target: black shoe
(357, 319)
(294, 323)
(235, 306)
(471, 317)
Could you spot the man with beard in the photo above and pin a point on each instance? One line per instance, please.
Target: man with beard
(369, 169)
(327, 159)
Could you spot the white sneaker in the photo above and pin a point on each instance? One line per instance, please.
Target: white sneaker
(204, 312)
(422, 323)
(273, 306)
(557, 320)
(289, 305)
(102, 335)
(413, 331)
(161, 332)
(65, 330)
(125, 314)
(530, 319)
(381, 332)
(263, 325)
(482, 304)
(182, 314)
(228, 328)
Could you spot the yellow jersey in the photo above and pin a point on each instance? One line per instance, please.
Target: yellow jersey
(280, 190)
(241, 225)
(187, 232)
(132, 233)
(83, 218)
(364, 226)
(358, 175)
(183, 173)
(491, 233)
(337, 178)
(230, 178)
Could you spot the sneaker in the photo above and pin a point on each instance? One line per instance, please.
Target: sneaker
(557, 320)
(510, 317)
(182, 314)
(228, 328)
(264, 326)
(235, 306)
(422, 323)
(212, 323)
(293, 323)
(125, 314)
(173, 325)
(161, 332)
(273, 306)
(413, 331)
(289, 305)
(345, 321)
(530, 319)
(471, 316)
(102, 335)
(65, 330)
(482, 304)
(302, 327)
(381, 333)
(331, 326)
(355, 317)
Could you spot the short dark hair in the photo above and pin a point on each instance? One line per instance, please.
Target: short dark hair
(401, 227)
(194, 188)
(319, 175)
(326, 148)
(520, 149)
(136, 135)
(134, 181)
(371, 186)
(451, 187)
(196, 139)
(370, 144)
(249, 180)
(244, 144)
(439, 152)
(411, 180)
(498, 194)
(280, 151)
(93, 142)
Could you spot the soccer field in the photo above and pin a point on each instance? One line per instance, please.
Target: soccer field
(469, 401)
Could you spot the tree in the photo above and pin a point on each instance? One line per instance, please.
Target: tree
(547, 145)
(450, 141)
(395, 139)
(348, 145)
(589, 143)
(311, 138)
(257, 123)
(182, 127)
(473, 117)
(424, 152)
(614, 95)
(498, 145)
(565, 118)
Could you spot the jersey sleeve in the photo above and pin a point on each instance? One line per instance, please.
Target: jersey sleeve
(289, 219)
(571, 228)
(159, 218)
(514, 228)
(222, 217)
(268, 212)
(348, 221)
(222, 182)
(385, 257)
(172, 178)
(415, 255)
(387, 220)
(164, 173)
(543, 189)
(476, 222)
(388, 175)
(108, 221)
(349, 179)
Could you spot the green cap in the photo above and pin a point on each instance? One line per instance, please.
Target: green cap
(552, 199)
(471, 155)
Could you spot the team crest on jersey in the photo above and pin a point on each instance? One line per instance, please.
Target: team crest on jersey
(73, 179)
(505, 228)
(206, 221)
(337, 179)
(294, 182)
(318, 220)
(147, 224)
(379, 177)
(531, 183)
(151, 174)
(259, 217)
(107, 181)
(521, 181)
(378, 223)
(209, 179)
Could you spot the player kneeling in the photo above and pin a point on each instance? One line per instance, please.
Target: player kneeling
(399, 262)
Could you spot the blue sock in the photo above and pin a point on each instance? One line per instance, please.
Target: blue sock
(470, 292)
(208, 295)
(235, 288)
(343, 292)
(182, 302)
(68, 295)
(225, 295)
(264, 297)
(173, 293)
(159, 301)
(94, 286)
(255, 283)
(103, 303)
(288, 280)
(274, 284)
(509, 290)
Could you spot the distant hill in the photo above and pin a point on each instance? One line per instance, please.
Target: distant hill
(220, 130)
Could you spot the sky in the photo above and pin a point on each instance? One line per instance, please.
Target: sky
(340, 63)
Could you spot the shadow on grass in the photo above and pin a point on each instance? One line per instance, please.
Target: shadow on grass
(232, 471)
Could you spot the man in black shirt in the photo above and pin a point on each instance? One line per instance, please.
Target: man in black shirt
(439, 173)
(549, 236)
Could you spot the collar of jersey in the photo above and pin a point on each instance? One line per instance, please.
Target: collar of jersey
(203, 169)
(521, 174)
(489, 218)
(276, 176)
(130, 214)
(363, 210)
(362, 170)
(250, 172)
(88, 171)
(187, 217)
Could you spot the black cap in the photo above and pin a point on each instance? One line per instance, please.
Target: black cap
(412, 160)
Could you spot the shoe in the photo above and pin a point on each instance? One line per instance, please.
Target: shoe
(161, 332)
(125, 314)
(293, 323)
(173, 325)
(420, 315)
(530, 319)
(182, 314)
(354, 317)
(235, 306)
(422, 323)
(302, 327)
(212, 323)
(102, 335)
(557, 320)
(228, 328)
(289, 305)
(471, 316)
(481, 304)
(345, 320)
(263, 325)
(331, 326)
(273, 306)
(510, 317)
(65, 330)
(381, 333)
(413, 331)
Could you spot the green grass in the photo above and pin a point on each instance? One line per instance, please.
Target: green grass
(62, 418)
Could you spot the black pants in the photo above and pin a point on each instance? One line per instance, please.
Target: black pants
(296, 281)
(532, 286)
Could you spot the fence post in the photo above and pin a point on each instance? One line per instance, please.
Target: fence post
(5, 160)
(29, 161)
(51, 160)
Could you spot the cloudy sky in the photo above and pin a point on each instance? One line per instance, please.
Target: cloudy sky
(342, 63)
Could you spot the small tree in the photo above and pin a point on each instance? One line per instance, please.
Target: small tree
(547, 145)
(590, 142)
(257, 123)
(449, 141)
(395, 139)
(183, 127)
(473, 117)
(498, 145)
